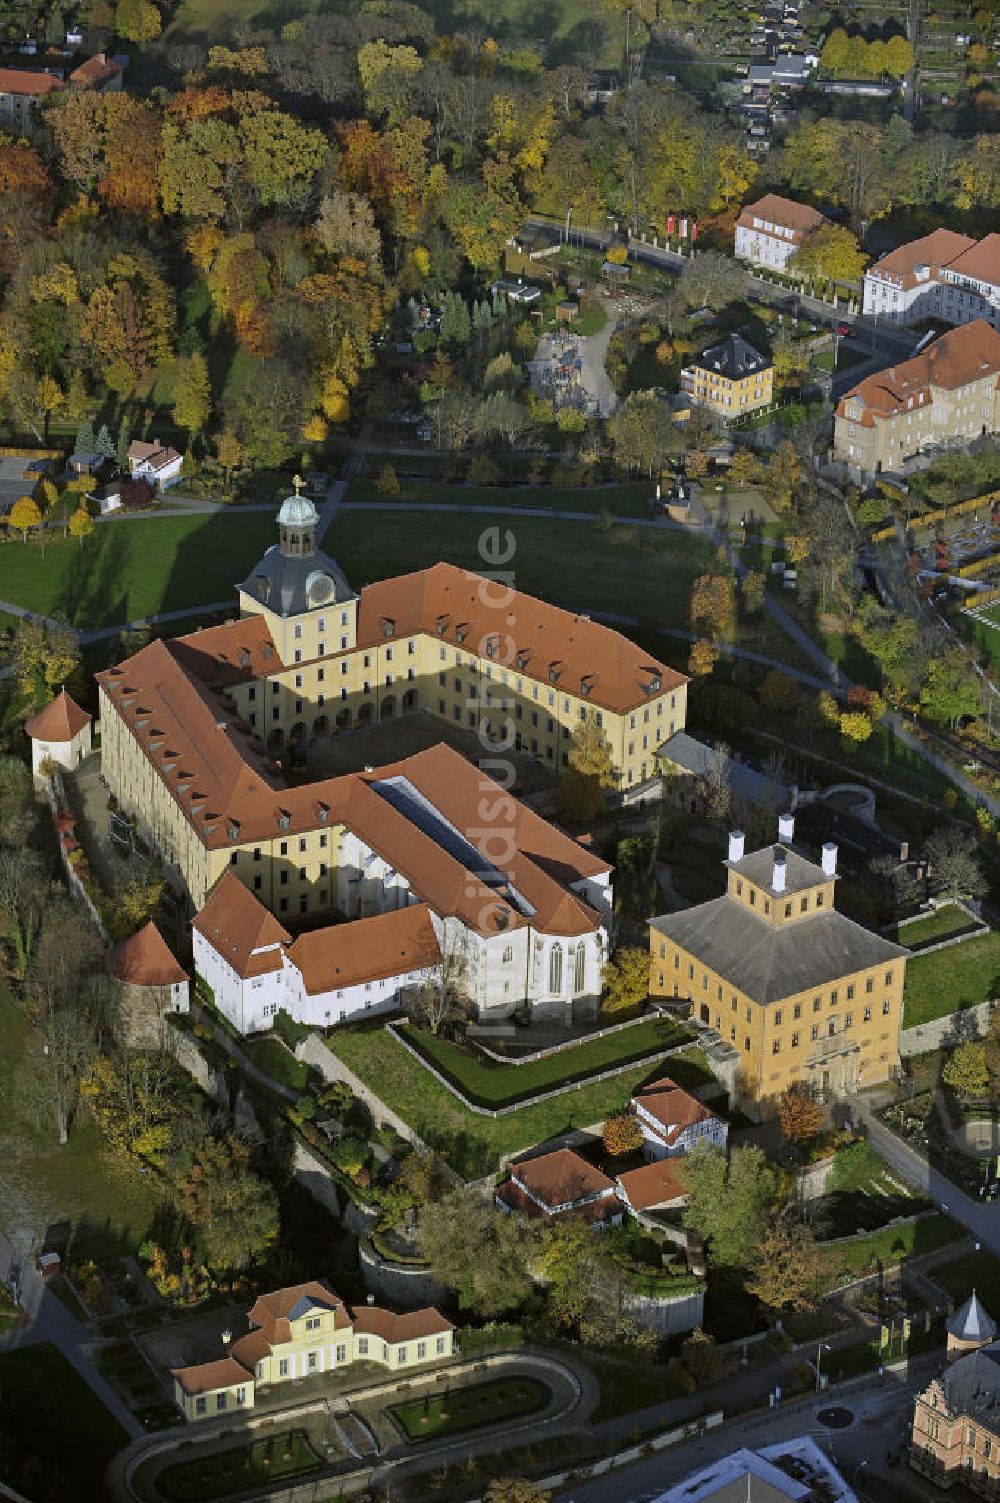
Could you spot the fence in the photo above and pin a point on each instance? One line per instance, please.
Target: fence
(537, 1054)
(941, 944)
(516, 1106)
(942, 514)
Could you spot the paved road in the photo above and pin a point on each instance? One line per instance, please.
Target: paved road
(50, 1321)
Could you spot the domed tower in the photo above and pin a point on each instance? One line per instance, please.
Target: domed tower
(309, 606)
(969, 1328)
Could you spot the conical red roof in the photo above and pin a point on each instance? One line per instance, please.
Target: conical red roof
(61, 720)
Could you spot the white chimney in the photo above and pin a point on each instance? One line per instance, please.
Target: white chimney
(829, 859)
(778, 878)
(737, 840)
(786, 828)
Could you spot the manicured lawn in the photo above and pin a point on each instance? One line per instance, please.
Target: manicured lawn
(440, 1414)
(217, 1476)
(892, 1245)
(272, 1056)
(132, 568)
(489, 1084)
(572, 564)
(951, 979)
(974, 1270)
(620, 500)
(472, 1144)
(52, 1425)
(862, 1194)
(101, 1195)
(945, 923)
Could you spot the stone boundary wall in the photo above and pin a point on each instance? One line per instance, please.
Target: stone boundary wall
(411, 1285)
(968, 1022)
(55, 794)
(668, 1317)
(563, 1090)
(313, 1051)
(896, 1221)
(942, 944)
(600, 1033)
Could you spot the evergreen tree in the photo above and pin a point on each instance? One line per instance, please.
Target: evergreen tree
(124, 441)
(85, 442)
(456, 325)
(104, 443)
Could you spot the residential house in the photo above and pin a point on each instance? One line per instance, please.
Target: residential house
(558, 1184)
(255, 969)
(21, 93)
(303, 1331)
(942, 275)
(656, 1186)
(59, 734)
(673, 1122)
(730, 379)
(770, 231)
(154, 463)
(802, 993)
(102, 74)
(955, 1435)
(152, 984)
(948, 391)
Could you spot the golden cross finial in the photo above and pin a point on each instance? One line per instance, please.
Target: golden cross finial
(298, 483)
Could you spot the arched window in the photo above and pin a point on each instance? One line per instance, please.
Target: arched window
(580, 969)
(555, 969)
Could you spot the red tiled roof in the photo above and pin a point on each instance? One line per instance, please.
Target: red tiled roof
(954, 360)
(237, 925)
(514, 1198)
(560, 1178)
(981, 261)
(673, 1108)
(145, 960)
(782, 211)
(97, 70)
(155, 455)
(23, 81)
(937, 249)
(60, 720)
(414, 1324)
(206, 1377)
(278, 1304)
(366, 949)
(656, 1184)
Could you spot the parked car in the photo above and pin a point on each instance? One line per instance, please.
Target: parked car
(845, 331)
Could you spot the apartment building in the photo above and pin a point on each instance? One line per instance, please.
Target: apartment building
(955, 1435)
(947, 392)
(942, 275)
(800, 992)
(301, 1332)
(770, 231)
(21, 93)
(731, 379)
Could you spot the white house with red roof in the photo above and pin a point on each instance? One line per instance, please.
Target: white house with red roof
(304, 1331)
(942, 275)
(159, 465)
(60, 734)
(560, 1183)
(771, 231)
(672, 1121)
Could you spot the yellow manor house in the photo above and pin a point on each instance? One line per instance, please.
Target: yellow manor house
(800, 992)
(190, 728)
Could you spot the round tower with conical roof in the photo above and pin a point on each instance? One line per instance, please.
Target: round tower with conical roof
(969, 1328)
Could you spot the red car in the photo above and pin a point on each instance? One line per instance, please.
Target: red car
(845, 331)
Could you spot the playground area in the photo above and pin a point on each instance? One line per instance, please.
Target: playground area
(569, 370)
(975, 542)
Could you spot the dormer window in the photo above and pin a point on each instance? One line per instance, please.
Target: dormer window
(461, 632)
(654, 684)
(262, 588)
(284, 819)
(244, 657)
(233, 830)
(441, 625)
(388, 626)
(522, 657)
(585, 686)
(553, 673)
(267, 651)
(322, 813)
(491, 647)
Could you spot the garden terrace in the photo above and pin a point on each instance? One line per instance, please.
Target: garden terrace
(947, 922)
(453, 1412)
(221, 1474)
(949, 980)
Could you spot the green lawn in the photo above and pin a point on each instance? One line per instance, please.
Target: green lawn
(622, 1394)
(945, 923)
(569, 563)
(52, 1427)
(219, 1474)
(440, 1414)
(974, 1270)
(620, 500)
(272, 1056)
(866, 1195)
(470, 1143)
(493, 1085)
(951, 979)
(100, 1195)
(892, 1245)
(132, 568)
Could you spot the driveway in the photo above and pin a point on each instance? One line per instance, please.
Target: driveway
(12, 482)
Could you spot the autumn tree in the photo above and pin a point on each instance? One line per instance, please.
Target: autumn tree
(81, 524)
(965, 1070)
(25, 515)
(621, 1135)
(590, 771)
(832, 253)
(703, 1359)
(137, 20)
(626, 981)
(23, 895)
(702, 658)
(479, 1252)
(778, 693)
(54, 1084)
(752, 590)
(193, 394)
(516, 1490)
(46, 655)
(442, 999)
(231, 1209)
(745, 470)
(712, 604)
(730, 1202)
(786, 1269)
(950, 692)
(800, 1114)
(991, 1051)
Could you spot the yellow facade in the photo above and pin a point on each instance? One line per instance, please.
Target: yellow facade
(837, 1034)
(731, 398)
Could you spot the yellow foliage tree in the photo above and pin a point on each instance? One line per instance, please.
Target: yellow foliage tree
(334, 400)
(24, 515)
(81, 524)
(314, 429)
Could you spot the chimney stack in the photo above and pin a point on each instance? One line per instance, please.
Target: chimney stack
(737, 840)
(778, 877)
(829, 859)
(786, 828)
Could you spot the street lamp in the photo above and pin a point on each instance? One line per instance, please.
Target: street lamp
(821, 1347)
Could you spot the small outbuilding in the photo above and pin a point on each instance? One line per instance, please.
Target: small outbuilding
(61, 733)
(153, 983)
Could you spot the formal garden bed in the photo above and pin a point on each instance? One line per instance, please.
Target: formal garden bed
(279, 1458)
(457, 1410)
